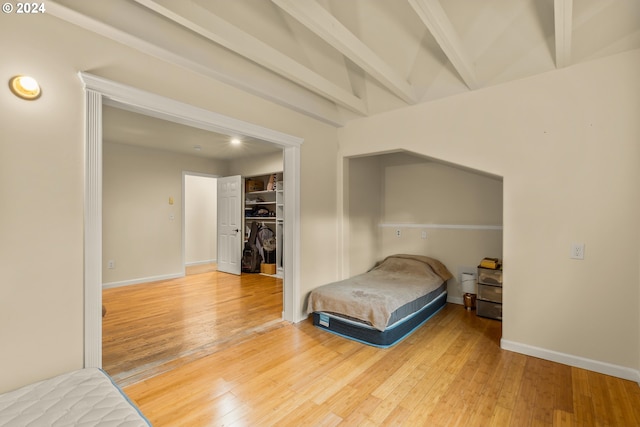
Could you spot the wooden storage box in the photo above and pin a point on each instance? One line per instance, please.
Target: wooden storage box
(253, 185)
(268, 268)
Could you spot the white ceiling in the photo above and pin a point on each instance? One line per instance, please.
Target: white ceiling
(335, 60)
(126, 127)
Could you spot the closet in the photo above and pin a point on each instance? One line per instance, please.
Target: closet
(264, 205)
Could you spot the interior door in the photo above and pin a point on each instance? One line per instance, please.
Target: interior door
(230, 224)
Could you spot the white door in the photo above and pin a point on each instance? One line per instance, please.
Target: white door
(230, 224)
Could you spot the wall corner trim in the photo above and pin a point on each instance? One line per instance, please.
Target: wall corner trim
(571, 360)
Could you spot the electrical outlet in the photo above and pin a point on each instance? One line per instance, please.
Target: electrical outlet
(424, 235)
(577, 251)
(398, 232)
(111, 264)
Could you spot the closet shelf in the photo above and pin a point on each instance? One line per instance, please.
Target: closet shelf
(250, 203)
(261, 192)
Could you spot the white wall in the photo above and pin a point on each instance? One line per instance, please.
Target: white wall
(427, 192)
(422, 191)
(257, 165)
(42, 181)
(200, 222)
(566, 143)
(401, 191)
(365, 211)
(41, 233)
(138, 232)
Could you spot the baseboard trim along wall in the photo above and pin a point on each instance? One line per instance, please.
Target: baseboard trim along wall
(571, 360)
(141, 280)
(206, 261)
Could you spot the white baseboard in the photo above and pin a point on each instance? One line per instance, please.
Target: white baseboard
(571, 360)
(141, 280)
(206, 261)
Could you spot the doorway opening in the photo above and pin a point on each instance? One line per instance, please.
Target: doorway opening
(101, 92)
(199, 220)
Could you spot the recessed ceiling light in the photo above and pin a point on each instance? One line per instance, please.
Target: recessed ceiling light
(235, 141)
(25, 87)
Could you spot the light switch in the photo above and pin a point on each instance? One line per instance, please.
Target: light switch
(170, 200)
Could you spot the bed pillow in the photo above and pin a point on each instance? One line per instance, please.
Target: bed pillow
(415, 264)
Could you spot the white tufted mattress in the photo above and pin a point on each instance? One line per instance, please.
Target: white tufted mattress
(86, 397)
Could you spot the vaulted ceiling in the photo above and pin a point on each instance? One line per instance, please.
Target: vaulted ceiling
(336, 60)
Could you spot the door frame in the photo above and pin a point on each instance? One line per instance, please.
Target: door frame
(99, 91)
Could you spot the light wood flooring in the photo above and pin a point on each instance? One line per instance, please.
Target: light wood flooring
(450, 372)
(154, 327)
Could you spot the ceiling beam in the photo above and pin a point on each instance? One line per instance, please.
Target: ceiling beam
(282, 93)
(435, 19)
(563, 16)
(317, 19)
(216, 29)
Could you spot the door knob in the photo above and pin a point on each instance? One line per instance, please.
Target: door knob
(236, 230)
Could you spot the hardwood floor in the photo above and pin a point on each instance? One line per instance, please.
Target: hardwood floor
(449, 372)
(153, 327)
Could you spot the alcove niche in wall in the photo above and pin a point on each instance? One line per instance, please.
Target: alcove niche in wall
(403, 202)
(100, 91)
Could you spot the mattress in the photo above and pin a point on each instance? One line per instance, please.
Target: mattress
(385, 304)
(86, 397)
(374, 297)
(360, 331)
